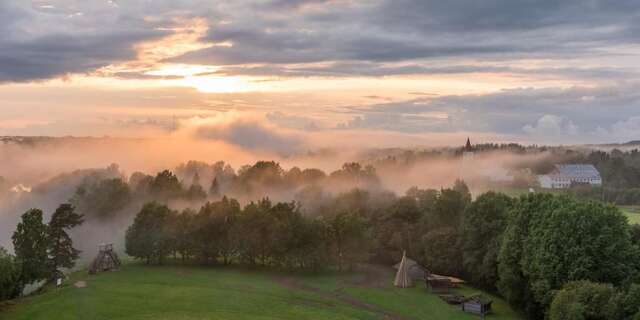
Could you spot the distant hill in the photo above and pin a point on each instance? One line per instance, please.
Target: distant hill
(632, 143)
(622, 145)
(38, 140)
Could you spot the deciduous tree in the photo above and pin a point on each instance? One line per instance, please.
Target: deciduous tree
(61, 253)
(582, 300)
(483, 225)
(166, 186)
(30, 246)
(552, 240)
(10, 286)
(148, 238)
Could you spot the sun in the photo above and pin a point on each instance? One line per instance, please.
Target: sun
(218, 84)
(203, 78)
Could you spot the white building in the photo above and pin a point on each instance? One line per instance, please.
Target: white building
(566, 175)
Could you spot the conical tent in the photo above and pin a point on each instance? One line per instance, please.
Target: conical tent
(403, 279)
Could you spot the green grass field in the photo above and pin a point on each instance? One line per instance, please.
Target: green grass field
(633, 213)
(176, 292)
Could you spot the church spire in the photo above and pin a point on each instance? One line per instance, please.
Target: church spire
(468, 146)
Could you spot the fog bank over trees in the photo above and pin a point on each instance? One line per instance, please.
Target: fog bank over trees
(44, 172)
(274, 215)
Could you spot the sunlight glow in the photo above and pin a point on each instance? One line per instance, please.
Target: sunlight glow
(181, 70)
(210, 84)
(185, 37)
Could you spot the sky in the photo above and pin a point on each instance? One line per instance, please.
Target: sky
(370, 72)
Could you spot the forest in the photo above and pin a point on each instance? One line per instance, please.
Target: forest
(563, 256)
(547, 255)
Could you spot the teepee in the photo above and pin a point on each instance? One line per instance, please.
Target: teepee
(403, 279)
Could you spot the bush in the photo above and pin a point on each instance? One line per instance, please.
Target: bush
(626, 304)
(582, 300)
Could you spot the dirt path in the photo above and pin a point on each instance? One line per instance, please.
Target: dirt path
(289, 282)
(374, 276)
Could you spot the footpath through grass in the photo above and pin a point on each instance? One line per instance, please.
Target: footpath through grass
(177, 292)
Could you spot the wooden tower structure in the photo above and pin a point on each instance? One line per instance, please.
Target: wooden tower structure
(106, 260)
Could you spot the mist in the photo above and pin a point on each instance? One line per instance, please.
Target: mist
(45, 172)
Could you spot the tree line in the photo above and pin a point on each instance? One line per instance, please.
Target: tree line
(105, 194)
(352, 227)
(539, 251)
(42, 250)
(259, 234)
(620, 171)
(536, 250)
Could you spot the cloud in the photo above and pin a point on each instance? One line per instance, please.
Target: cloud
(292, 121)
(244, 130)
(292, 4)
(49, 41)
(584, 52)
(375, 69)
(552, 126)
(408, 123)
(519, 15)
(558, 113)
(288, 37)
(628, 128)
(386, 31)
(42, 43)
(622, 131)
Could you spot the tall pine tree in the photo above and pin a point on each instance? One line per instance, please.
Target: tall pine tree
(30, 246)
(61, 253)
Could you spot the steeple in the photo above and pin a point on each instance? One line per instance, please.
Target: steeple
(468, 147)
(467, 167)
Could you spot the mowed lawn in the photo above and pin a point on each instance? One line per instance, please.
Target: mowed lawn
(633, 213)
(176, 292)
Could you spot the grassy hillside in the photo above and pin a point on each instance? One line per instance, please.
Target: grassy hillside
(174, 292)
